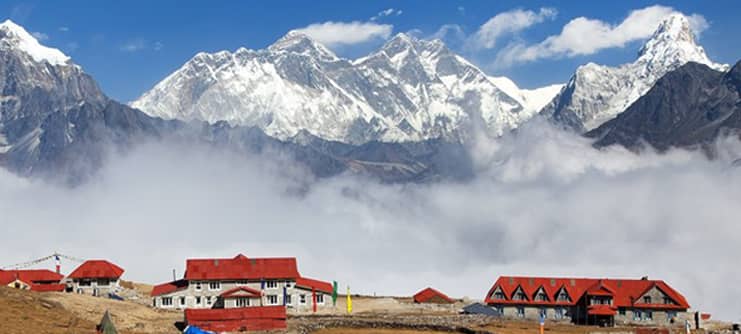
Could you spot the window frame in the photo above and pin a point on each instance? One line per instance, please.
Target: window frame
(166, 301)
(268, 299)
(244, 301)
(214, 283)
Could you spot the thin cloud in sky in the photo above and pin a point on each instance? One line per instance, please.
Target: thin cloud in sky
(387, 12)
(346, 33)
(134, 45)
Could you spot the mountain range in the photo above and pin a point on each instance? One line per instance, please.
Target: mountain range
(403, 113)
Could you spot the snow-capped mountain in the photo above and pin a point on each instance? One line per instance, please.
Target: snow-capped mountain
(596, 93)
(408, 90)
(52, 114)
(55, 122)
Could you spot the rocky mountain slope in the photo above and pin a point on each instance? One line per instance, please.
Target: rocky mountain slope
(596, 93)
(409, 90)
(689, 107)
(53, 116)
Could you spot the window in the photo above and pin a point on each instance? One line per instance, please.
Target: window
(242, 283)
(621, 311)
(166, 301)
(637, 315)
(197, 286)
(667, 300)
(287, 299)
(208, 300)
(272, 300)
(243, 302)
(519, 295)
(302, 299)
(562, 296)
(648, 315)
(499, 310)
(670, 315)
(520, 311)
(499, 295)
(182, 301)
(213, 286)
(647, 300)
(560, 313)
(85, 282)
(541, 296)
(103, 282)
(271, 285)
(198, 300)
(543, 313)
(320, 298)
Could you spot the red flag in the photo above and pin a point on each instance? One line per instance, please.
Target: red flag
(313, 299)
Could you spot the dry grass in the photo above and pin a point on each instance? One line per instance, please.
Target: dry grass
(26, 312)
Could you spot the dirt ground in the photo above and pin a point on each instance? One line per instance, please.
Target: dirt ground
(63, 313)
(60, 313)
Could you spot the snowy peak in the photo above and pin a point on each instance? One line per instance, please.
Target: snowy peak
(300, 43)
(13, 36)
(673, 43)
(595, 94)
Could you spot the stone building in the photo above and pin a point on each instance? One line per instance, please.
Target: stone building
(243, 282)
(96, 278)
(588, 300)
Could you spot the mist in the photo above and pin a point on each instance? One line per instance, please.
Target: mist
(543, 202)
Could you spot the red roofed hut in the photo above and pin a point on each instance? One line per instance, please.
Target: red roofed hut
(96, 277)
(40, 280)
(432, 296)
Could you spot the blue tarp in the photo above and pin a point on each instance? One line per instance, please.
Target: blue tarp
(195, 330)
(114, 296)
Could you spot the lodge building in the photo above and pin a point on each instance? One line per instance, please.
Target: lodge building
(588, 300)
(241, 282)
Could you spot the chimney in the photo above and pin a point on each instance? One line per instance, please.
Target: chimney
(174, 277)
(644, 278)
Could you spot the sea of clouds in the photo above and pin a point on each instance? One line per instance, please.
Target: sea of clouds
(543, 202)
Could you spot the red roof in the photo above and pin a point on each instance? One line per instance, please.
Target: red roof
(601, 310)
(260, 318)
(169, 287)
(30, 277)
(624, 292)
(239, 292)
(425, 295)
(97, 269)
(241, 268)
(308, 283)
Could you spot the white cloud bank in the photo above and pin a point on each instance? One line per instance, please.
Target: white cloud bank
(586, 36)
(507, 23)
(334, 34)
(544, 203)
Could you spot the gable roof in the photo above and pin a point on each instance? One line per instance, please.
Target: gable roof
(97, 269)
(241, 291)
(30, 277)
(165, 288)
(309, 283)
(428, 293)
(241, 268)
(625, 292)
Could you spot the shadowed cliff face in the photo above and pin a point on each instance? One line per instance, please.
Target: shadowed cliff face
(690, 107)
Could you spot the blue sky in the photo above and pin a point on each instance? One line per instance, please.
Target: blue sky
(128, 46)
